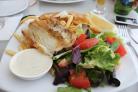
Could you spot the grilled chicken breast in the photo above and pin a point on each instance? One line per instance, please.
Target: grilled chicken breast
(48, 35)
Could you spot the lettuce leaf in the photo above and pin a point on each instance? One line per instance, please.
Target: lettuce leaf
(100, 56)
(80, 30)
(68, 89)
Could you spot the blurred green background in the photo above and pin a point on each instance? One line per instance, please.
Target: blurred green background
(123, 9)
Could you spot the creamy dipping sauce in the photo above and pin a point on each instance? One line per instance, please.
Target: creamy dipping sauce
(30, 63)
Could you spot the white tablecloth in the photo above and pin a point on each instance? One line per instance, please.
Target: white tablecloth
(86, 6)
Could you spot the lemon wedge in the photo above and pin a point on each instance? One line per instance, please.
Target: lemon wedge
(100, 23)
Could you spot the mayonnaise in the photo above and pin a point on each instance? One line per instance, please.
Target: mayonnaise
(30, 63)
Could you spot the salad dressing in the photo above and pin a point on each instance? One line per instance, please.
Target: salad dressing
(30, 63)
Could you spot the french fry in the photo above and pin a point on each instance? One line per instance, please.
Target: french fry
(72, 28)
(63, 23)
(10, 52)
(22, 47)
(18, 37)
(63, 14)
(70, 19)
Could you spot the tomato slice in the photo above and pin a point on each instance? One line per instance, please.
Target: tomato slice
(80, 39)
(110, 39)
(88, 43)
(79, 80)
(121, 50)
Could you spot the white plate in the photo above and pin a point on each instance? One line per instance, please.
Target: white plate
(11, 7)
(126, 73)
(62, 1)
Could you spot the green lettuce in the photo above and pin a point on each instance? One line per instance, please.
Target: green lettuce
(100, 56)
(68, 89)
(79, 30)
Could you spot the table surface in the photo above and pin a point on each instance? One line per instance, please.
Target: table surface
(86, 6)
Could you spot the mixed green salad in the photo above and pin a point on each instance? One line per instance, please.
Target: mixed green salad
(90, 62)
